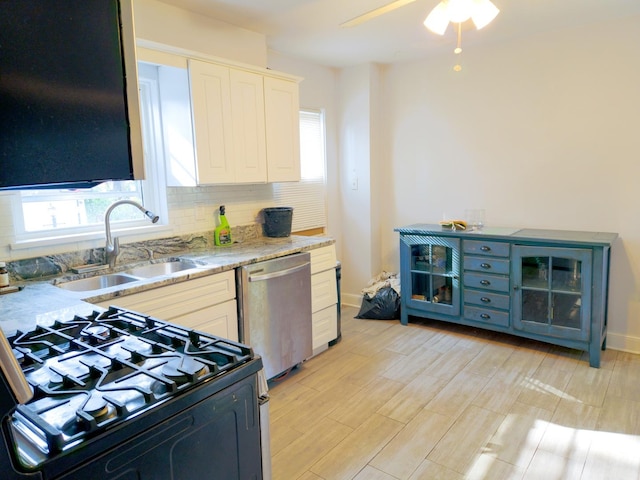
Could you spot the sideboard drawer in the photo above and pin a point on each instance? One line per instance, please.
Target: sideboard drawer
(480, 247)
(486, 315)
(486, 264)
(487, 299)
(486, 281)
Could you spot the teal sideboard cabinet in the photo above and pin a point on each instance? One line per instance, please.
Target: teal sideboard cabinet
(547, 285)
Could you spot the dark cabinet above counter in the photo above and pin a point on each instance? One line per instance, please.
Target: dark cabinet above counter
(69, 110)
(548, 285)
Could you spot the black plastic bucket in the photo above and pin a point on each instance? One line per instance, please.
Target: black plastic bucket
(277, 221)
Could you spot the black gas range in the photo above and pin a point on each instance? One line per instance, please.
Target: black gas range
(120, 395)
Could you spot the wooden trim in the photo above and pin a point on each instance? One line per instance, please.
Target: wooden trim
(311, 232)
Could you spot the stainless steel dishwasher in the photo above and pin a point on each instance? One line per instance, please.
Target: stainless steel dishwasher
(274, 310)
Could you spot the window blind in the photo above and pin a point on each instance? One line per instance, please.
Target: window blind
(308, 196)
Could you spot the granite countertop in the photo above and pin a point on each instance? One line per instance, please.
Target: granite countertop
(560, 237)
(42, 303)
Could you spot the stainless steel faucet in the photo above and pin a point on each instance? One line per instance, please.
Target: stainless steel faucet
(112, 248)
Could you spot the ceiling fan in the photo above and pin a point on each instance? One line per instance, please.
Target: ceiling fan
(481, 12)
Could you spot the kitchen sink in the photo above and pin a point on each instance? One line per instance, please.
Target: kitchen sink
(134, 274)
(98, 283)
(159, 269)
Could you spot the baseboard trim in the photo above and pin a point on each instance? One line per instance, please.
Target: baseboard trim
(351, 300)
(623, 343)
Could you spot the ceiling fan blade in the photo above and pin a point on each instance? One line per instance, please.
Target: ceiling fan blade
(376, 12)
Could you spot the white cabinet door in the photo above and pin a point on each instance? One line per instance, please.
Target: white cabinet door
(324, 326)
(323, 290)
(324, 296)
(323, 258)
(212, 122)
(203, 304)
(247, 110)
(219, 320)
(282, 129)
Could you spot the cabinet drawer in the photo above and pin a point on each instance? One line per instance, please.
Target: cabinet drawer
(486, 264)
(486, 315)
(324, 326)
(323, 290)
(323, 259)
(487, 299)
(480, 247)
(220, 320)
(175, 300)
(486, 281)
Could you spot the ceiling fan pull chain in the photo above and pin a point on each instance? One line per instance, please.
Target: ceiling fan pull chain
(458, 50)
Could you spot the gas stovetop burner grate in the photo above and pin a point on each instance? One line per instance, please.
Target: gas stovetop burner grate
(93, 372)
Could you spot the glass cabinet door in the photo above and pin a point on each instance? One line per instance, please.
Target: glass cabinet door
(432, 274)
(552, 291)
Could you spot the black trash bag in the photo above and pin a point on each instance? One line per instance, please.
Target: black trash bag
(385, 305)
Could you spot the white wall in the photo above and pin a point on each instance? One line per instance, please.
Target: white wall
(541, 132)
(162, 23)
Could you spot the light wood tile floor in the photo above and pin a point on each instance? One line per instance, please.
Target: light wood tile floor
(437, 401)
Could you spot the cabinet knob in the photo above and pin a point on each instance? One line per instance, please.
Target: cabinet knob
(485, 316)
(485, 282)
(485, 300)
(485, 265)
(516, 287)
(484, 248)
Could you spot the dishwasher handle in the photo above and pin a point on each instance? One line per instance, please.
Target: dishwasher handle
(256, 276)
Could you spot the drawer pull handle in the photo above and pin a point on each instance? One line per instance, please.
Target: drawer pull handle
(485, 265)
(485, 300)
(484, 248)
(486, 283)
(485, 316)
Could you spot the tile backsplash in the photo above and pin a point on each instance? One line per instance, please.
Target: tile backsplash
(190, 210)
(47, 266)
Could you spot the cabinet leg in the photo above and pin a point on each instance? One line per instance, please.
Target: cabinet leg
(404, 317)
(594, 357)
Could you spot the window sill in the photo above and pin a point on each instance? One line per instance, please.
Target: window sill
(151, 230)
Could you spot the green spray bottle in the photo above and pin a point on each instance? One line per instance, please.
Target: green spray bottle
(222, 233)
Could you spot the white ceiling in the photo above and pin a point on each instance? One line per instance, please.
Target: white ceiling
(310, 29)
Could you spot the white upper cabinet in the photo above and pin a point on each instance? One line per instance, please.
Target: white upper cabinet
(212, 124)
(283, 129)
(249, 163)
(226, 123)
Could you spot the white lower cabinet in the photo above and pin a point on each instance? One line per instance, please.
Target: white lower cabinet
(324, 297)
(207, 304)
(325, 327)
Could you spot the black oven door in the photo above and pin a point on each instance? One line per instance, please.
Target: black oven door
(218, 437)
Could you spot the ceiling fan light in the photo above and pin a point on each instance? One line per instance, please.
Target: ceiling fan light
(484, 11)
(459, 10)
(438, 19)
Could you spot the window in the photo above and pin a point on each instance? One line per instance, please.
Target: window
(64, 212)
(308, 197)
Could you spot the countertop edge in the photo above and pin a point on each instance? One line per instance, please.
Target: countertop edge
(40, 302)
